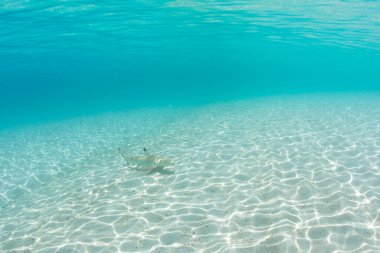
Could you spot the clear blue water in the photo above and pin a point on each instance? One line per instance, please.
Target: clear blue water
(63, 58)
(261, 120)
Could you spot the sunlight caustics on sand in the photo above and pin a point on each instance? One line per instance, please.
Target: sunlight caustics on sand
(297, 173)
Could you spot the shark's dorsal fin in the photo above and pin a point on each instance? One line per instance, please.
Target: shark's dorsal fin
(145, 151)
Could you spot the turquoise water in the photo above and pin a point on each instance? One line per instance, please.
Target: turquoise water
(261, 122)
(64, 58)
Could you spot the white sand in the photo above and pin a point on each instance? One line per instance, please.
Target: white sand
(278, 174)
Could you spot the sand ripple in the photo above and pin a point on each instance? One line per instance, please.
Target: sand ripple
(278, 174)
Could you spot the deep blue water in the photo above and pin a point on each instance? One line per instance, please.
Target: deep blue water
(60, 59)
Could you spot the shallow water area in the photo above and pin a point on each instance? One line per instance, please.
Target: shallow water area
(294, 173)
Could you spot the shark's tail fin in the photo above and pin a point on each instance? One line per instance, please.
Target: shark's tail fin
(123, 155)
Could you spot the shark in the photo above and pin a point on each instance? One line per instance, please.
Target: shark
(147, 162)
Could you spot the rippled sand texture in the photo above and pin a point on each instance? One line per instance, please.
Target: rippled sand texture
(279, 174)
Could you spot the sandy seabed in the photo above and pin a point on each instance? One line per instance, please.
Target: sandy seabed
(296, 173)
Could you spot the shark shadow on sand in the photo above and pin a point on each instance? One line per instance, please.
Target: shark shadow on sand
(147, 163)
